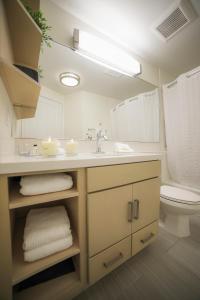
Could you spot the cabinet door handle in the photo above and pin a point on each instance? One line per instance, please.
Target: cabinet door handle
(113, 261)
(136, 207)
(143, 241)
(130, 211)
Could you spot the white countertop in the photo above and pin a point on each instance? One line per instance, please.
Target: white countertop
(21, 164)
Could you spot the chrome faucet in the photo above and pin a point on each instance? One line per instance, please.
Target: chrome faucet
(100, 137)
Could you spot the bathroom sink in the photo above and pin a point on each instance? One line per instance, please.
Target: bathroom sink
(105, 154)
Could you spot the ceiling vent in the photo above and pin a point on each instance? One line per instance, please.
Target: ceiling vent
(175, 19)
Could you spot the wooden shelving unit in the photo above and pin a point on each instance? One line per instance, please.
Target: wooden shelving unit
(22, 90)
(23, 112)
(25, 35)
(17, 200)
(25, 39)
(23, 270)
(14, 269)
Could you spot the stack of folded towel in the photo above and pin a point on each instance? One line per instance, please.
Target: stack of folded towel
(120, 147)
(47, 231)
(46, 183)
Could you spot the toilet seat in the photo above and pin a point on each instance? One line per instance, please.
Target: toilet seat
(179, 195)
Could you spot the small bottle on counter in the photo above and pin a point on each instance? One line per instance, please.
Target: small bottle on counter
(34, 150)
(24, 149)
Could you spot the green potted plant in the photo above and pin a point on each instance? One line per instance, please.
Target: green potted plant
(41, 21)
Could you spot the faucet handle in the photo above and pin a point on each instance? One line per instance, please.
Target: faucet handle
(105, 137)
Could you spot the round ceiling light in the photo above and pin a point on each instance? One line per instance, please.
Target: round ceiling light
(69, 79)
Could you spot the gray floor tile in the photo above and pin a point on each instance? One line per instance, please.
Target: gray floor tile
(187, 252)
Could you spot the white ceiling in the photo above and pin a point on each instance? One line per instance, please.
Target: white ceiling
(59, 59)
(129, 23)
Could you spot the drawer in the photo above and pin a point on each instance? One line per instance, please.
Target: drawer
(108, 260)
(144, 237)
(106, 177)
(108, 218)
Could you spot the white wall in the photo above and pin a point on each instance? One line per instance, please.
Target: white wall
(47, 92)
(48, 120)
(7, 121)
(7, 116)
(85, 110)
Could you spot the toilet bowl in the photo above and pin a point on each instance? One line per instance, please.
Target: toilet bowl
(177, 205)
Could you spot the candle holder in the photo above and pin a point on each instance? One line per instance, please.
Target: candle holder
(49, 148)
(71, 148)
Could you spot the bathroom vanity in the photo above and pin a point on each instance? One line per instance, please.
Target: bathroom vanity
(122, 209)
(117, 196)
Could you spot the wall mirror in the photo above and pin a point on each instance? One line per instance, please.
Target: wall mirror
(127, 108)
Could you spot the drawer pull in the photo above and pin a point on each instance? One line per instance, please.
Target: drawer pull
(143, 241)
(113, 261)
(136, 207)
(130, 211)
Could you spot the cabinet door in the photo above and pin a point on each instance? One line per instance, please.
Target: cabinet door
(146, 203)
(108, 218)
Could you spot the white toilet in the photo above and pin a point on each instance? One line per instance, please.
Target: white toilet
(177, 205)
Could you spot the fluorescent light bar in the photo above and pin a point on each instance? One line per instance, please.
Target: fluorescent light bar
(105, 53)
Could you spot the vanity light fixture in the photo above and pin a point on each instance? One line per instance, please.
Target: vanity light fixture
(69, 79)
(105, 53)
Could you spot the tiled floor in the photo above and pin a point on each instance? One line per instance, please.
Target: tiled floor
(169, 269)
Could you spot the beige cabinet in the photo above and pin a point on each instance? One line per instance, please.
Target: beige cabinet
(123, 212)
(116, 213)
(108, 218)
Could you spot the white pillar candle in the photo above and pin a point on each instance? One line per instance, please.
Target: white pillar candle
(71, 147)
(49, 147)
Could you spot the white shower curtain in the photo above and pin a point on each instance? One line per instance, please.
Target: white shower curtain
(182, 125)
(137, 118)
(151, 116)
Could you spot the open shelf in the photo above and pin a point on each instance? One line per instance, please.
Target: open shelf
(24, 39)
(22, 90)
(23, 112)
(17, 200)
(68, 285)
(22, 269)
(25, 35)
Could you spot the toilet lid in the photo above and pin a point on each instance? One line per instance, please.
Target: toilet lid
(179, 195)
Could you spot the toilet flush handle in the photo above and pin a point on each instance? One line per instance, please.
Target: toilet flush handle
(136, 208)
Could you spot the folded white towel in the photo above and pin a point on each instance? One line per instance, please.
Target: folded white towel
(45, 225)
(41, 184)
(48, 249)
(120, 147)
